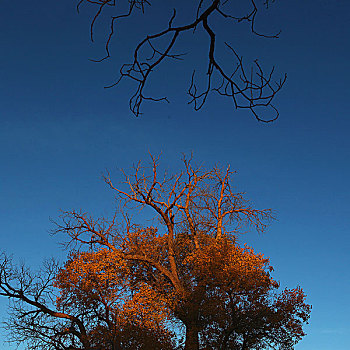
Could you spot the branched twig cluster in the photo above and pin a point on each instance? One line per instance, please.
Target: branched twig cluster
(33, 317)
(248, 90)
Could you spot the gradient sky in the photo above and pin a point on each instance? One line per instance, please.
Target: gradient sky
(60, 129)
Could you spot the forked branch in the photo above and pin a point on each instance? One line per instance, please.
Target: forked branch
(250, 88)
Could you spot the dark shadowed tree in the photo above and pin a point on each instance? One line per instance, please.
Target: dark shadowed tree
(226, 74)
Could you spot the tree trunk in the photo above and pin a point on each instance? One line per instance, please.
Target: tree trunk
(226, 337)
(192, 339)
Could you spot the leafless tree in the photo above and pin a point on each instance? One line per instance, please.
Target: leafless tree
(33, 316)
(249, 88)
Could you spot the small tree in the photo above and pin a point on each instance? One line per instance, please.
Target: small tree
(185, 267)
(248, 88)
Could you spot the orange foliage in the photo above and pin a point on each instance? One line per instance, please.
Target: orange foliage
(187, 268)
(97, 283)
(132, 284)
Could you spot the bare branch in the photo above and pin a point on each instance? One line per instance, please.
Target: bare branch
(246, 93)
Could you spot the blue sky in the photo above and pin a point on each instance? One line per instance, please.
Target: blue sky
(60, 129)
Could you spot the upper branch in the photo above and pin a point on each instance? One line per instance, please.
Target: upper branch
(247, 91)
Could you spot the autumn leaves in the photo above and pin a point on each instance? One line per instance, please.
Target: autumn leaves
(181, 281)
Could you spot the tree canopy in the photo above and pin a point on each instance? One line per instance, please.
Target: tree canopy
(131, 286)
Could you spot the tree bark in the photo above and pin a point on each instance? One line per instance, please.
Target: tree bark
(192, 338)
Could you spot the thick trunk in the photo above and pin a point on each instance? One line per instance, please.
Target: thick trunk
(245, 344)
(192, 338)
(226, 338)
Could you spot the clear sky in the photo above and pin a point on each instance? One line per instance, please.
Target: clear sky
(60, 129)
